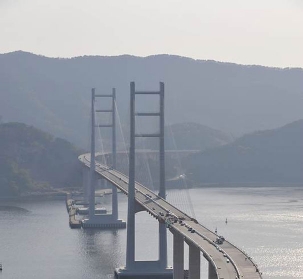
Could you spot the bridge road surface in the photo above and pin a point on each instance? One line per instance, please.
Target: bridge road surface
(229, 261)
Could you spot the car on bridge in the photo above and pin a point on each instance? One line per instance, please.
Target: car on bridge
(219, 240)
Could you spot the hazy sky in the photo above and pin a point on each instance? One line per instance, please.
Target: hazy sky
(265, 32)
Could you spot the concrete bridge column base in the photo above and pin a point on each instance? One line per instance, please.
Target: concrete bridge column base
(103, 221)
(144, 270)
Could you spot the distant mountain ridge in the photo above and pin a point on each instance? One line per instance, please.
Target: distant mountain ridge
(54, 94)
(264, 157)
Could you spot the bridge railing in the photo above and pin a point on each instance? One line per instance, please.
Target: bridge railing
(248, 257)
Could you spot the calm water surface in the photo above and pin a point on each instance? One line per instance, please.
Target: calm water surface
(36, 241)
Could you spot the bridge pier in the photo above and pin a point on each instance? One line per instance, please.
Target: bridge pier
(85, 199)
(212, 274)
(194, 262)
(144, 270)
(178, 256)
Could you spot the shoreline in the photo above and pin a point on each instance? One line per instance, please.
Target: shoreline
(59, 194)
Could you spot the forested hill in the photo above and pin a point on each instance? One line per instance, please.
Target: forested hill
(265, 157)
(32, 160)
(232, 98)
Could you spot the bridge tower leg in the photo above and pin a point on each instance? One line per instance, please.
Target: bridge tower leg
(92, 161)
(145, 269)
(130, 245)
(102, 220)
(86, 183)
(162, 190)
(114, 156)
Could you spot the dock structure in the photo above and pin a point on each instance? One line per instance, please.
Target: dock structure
(69, 202)
(85, 210)
(73, 222)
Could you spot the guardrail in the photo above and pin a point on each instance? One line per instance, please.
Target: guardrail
(249, 258)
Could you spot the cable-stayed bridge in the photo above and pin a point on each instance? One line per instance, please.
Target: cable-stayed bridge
(235, 264)
(224, 259)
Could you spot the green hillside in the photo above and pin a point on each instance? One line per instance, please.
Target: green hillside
(264, 157)
(32, 160)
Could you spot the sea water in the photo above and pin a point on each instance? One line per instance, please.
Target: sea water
(267, 223)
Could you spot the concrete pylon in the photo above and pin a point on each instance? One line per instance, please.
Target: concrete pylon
(144, 269)
(102, 220)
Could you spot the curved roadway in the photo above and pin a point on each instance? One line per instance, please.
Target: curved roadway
(229, 261)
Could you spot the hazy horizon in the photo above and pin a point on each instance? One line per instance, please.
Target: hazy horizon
(247, 33)
(147, 56)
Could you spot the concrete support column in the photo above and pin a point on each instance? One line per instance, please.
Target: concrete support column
(85, 182)
(178, 256)
(162, 245)
(114, 199)
(194, 262)
(130, 244)
(162, 190)
(114, 154)
(114, 202)
(92, 161)
(212, 274)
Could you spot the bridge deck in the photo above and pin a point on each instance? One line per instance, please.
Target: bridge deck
(230, 262)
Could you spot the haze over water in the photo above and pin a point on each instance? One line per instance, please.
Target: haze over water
(36, 241)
